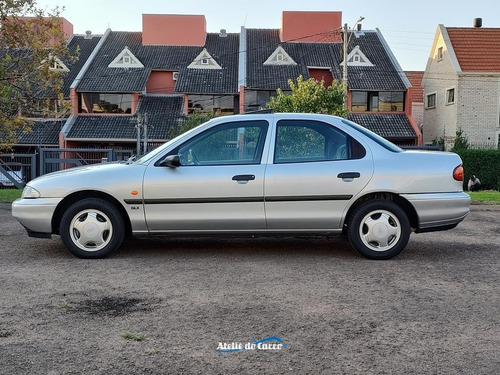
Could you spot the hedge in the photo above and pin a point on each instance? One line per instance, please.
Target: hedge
(485, 164)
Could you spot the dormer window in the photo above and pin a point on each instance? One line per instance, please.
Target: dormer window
(280, 57)
(357, 58)
(204, 61)
(57, 65)
(126, 59)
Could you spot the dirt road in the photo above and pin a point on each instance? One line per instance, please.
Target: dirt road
(433, 309)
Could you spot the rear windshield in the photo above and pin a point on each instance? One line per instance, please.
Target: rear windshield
(374, 137)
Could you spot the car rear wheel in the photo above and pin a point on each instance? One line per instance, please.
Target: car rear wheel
(92, 228)
(379, 229)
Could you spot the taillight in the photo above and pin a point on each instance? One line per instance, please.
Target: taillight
(458, 173)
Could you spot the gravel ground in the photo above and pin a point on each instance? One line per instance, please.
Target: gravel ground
(434, 309)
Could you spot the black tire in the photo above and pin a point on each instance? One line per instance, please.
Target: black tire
(92, 228)
(378, 229)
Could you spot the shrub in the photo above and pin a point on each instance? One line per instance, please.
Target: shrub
(485, 164)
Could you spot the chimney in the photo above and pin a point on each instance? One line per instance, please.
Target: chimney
(358, 26)
(173, 30)
(478, 22)
(88, 34)
(223, 33)
(311, 26)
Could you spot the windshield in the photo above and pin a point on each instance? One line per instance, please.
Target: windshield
(374, 137)
(152, 154)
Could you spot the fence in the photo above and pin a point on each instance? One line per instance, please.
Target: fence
(483, 146)
(52, 160)
(16, 170)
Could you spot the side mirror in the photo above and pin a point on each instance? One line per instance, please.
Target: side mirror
(171, 161)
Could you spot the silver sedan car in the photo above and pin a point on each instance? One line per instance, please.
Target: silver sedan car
(261, 174)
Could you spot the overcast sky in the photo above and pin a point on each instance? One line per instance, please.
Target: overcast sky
(407, 25)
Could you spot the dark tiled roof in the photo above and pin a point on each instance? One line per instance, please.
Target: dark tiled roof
(100, 78)
(391, 126)
(382, 76)
(79, 47)
(41, 133)
(163, 113)
(261, 43)
(82, 48)
(225, 53)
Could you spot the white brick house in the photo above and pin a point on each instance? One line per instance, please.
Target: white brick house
(462, 86)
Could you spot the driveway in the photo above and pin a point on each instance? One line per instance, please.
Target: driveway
(433, 309)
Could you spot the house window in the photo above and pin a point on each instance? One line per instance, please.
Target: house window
(126, 59)
(279, 57)
(440, 53)
(204, 61)
(359, 101)
(377, 101)
(430, 100)
(450, 96)
(256, 100)
(104, 103)
(220, 104)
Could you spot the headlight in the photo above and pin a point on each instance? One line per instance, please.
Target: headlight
(30, 193)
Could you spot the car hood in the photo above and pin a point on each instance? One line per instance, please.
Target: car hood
(93, 168)
(105, 177)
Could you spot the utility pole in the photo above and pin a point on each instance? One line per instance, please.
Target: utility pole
(145, 133)
(138, 127)
(344, 71)
(347, 39)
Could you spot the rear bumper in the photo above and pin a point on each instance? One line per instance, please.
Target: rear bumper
(439, 211)
(35, 214)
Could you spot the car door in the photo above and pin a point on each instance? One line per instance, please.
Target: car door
(313, 174)
(217, 186)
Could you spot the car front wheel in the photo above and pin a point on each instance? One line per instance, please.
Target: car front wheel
(379, 229)
(92, 228)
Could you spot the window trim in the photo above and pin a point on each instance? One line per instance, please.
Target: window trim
(446, 91)
(349, 143)
(427, 100)
(204, 134)
(440, 54)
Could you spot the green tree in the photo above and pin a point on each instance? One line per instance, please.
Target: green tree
(197, 118)
(461, 141)
(310, 96)
(30, 41)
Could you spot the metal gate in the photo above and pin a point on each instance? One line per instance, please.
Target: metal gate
(16, 170)
(56, 159)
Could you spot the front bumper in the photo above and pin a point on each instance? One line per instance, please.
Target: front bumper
(35, 214)
(437, 211)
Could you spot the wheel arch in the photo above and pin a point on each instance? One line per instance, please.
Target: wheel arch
(79, 195)
(407, 207)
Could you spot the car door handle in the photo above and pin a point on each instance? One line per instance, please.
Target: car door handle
(244, 177)
(349, 175)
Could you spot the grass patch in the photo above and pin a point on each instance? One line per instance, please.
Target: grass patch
(485, 196)
(133, 336)
(9, 195)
